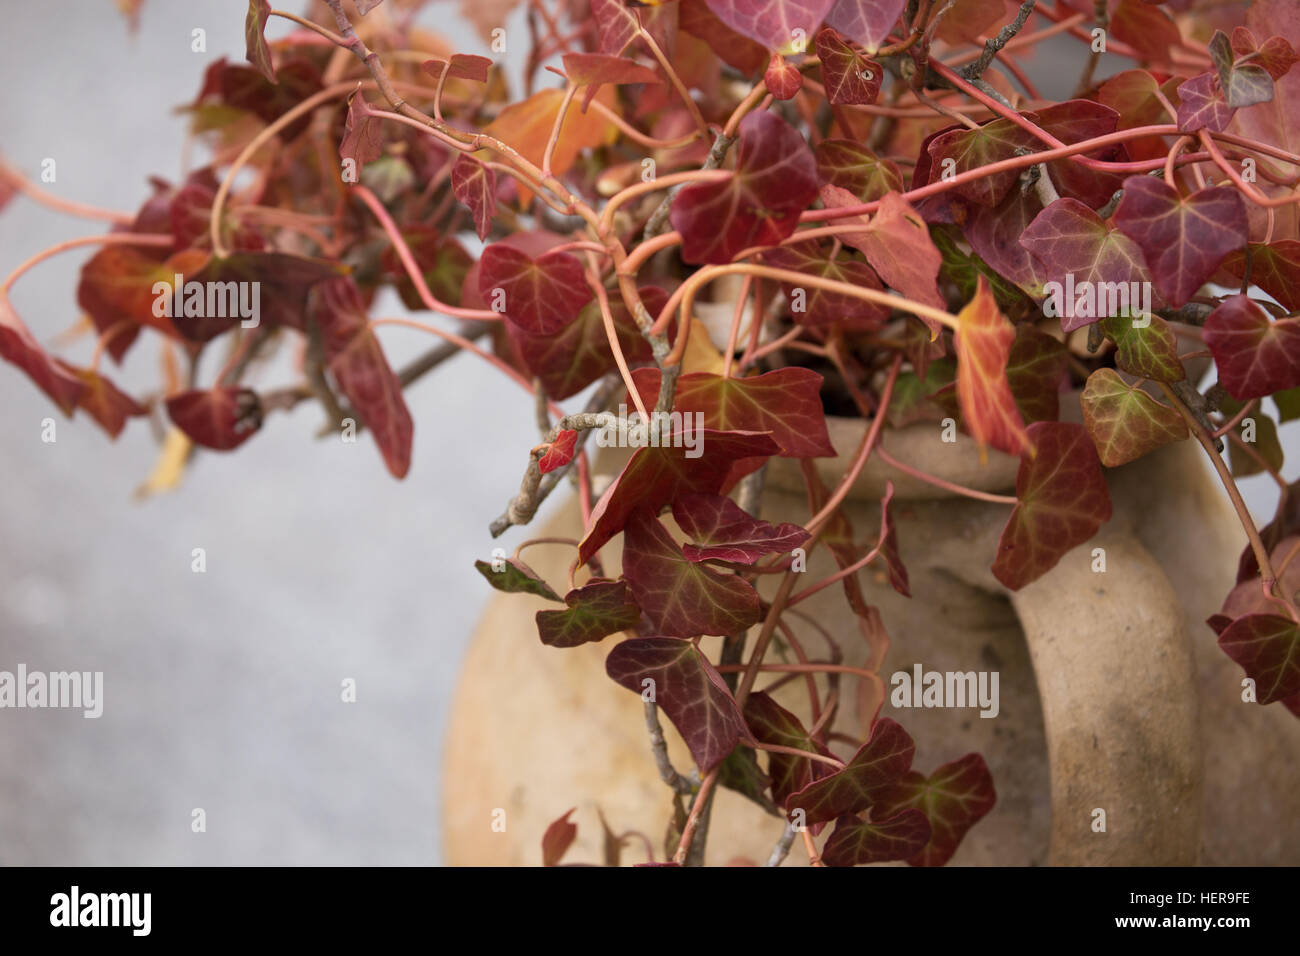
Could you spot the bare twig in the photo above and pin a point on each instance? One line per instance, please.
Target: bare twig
(973, 71)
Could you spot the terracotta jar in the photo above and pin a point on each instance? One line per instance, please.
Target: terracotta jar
(1113, 693)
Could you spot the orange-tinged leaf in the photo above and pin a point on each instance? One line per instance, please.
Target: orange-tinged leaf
(983, 350)
(527, 125)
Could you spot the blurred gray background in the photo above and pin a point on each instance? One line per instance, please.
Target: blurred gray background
(222, 690)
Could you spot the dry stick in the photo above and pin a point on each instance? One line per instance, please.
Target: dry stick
(659, 747)
(1268, 578)
(975, 70)
(782, 848)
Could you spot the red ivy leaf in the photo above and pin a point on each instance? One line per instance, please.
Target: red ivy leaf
(102, 400)
(595, 611)
(357, 362)
(1036, 369)
(363, 137)
(856, 842)
(682, 598)
(655, 476)
(953, 799)
(866, 21)
(1202, 105)
(1148, 29)
(759, 205)
(594, 70)
(782, 79)
(557, 839)
(1063, 501)
(849, 76)
(221, 418)
(1268, 649)
(258, 53)
(1150, 351)
(1245, 83)
(687, 688)
(1182, 238)
(18, 347)
(820, 306)
(541, 295)
(723, 531)
(559, 452)
(785, 402)
(772, 22)
(983, 353)
(770, 723)
(461, 66)
(1255, 356)
(1276, 56)
(1125, 422)
(853, 167)
(695, 18)
(1274, 267)
(878, 764)
(1072, 240)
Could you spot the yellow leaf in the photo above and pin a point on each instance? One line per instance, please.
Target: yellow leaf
(170, 467)
(700, 354)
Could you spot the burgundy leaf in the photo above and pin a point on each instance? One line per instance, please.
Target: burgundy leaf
(1063, 500)
(221, 418)
(1202, 105)
(593, 70)
(363, 137)
(855, 841)
(853, 167)
(102, 400)
(850, 77)
(688, 689)
(1274, 267)
(953, 799)
(866, 21)
(560, 834)
(541, 295)
(656, 475)
(595, 611)
(682, 598)
(258, 53)
(1037, 368)
(897, 243)
(782, 78)
(1182, 238)
(723, 531)
(770, 723)
(772, 22)
(1267, 647)
(821, 307)
(1256, 356)
(357, 362)
(18, 347)
(759, 205)
(878, 764)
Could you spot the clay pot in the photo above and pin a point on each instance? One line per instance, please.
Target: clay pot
(1113, 693)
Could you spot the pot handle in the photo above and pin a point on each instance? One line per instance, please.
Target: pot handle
(1117, 680)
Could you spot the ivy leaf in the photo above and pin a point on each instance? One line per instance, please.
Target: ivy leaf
(1072, 240)
(772, 22)
(1203, 105)
(559, 452)
(759, 205)
(961, 150)
(770, 723)
(1125, 422)
(1036, 369)
(363, 137)
(723, 531)
(1274, 267)
(258, 53)
(1182, 238)
(680, 597)
(821, 307)
(855, 168)
(441, 260)
(1133, 95)
(559, 835)
(856, 842)
(221, 418)
(1150, 351)
(968, 20)
(357, 362)
(541, 295)
(1063, 500)
(850, 77)
(740, 772)
(527, 126)
(785, 402)
(961, 268)
(1276, 56)
(1245, 83)
(655, 476)
(102, 400)
(579, 354)
(866, 21)
(1255, 356)
(983, 353)
(594, 70)
(1149, 30)
(20, 348)
(879, 763)
(515, 577)
(953, 799)
(1268, 649)
(687, 688)
(475, 185)
(897, 243)
(696, 19)
(595, 611)
(461, 66)
(1263, 442)
(994, 235)
(782, 79)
